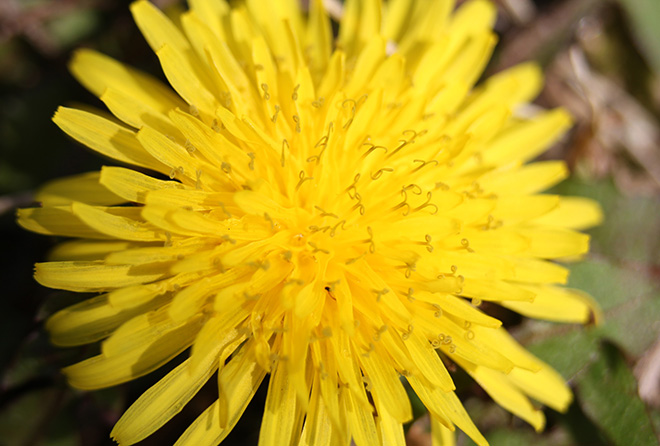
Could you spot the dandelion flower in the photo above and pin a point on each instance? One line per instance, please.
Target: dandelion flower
(331, 213)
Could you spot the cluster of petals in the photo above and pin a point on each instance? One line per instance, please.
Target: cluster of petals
(335, 213)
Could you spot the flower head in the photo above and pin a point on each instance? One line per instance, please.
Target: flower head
(330, 214)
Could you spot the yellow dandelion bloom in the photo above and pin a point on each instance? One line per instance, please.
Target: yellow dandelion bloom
(329, 212)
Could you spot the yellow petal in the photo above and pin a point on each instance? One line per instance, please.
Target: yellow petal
(455, 411)
(574, 213)
(317, 430)
(360, 419)
(282, 413)
(519, 209)
(525, 140)
(458, 307)
(328, 383)
(116, 226)
(84, 188)
(526, 180)
(56, 220)
(391, 430)
(212, 12)
(428, 362)
(181, 164)
(501, 339)
(132, 185)
(92, 276)
(552, 243)
(105, 137)
(385, 385)
(133, 296)
(546, 386)
(557, 304)
(497, 385)
(440, 435)
(87, 250)
(396, 18)
(162, 401)
(146, 328)
(217, 334)
(213, 145)
(495, 290)
(187, 81)
(239, 380)
(472, 59)
(88, 321)
(319, 36)
(101, 371)
(98, 73)
(136, 114)
(538, 271)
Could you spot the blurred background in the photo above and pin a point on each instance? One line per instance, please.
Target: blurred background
(602, 62)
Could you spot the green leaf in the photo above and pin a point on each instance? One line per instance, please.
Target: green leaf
(644, 16)
(608, 394)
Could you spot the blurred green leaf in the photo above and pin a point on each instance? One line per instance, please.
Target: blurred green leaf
(70, 28)
(644, 17)
(608, 394)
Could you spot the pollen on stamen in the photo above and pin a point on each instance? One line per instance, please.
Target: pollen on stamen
(366, 354)
(274, 117)
(296, 119)
(427, 203)
(269, 220)
(317, 249)
(168, 239)
(372, 244)
(372, 149)
(406, 334)
(224, 210)
(410, 268)
(410, 296)
(227, 238)
(302, 178)
(189, 147)
(427, 240)
(379, 172)
(333, 230)
(380, 332)
(465, 243)
(325, 213)
(380, 293)
(264, 87)
(285, 144)
(353, 110)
